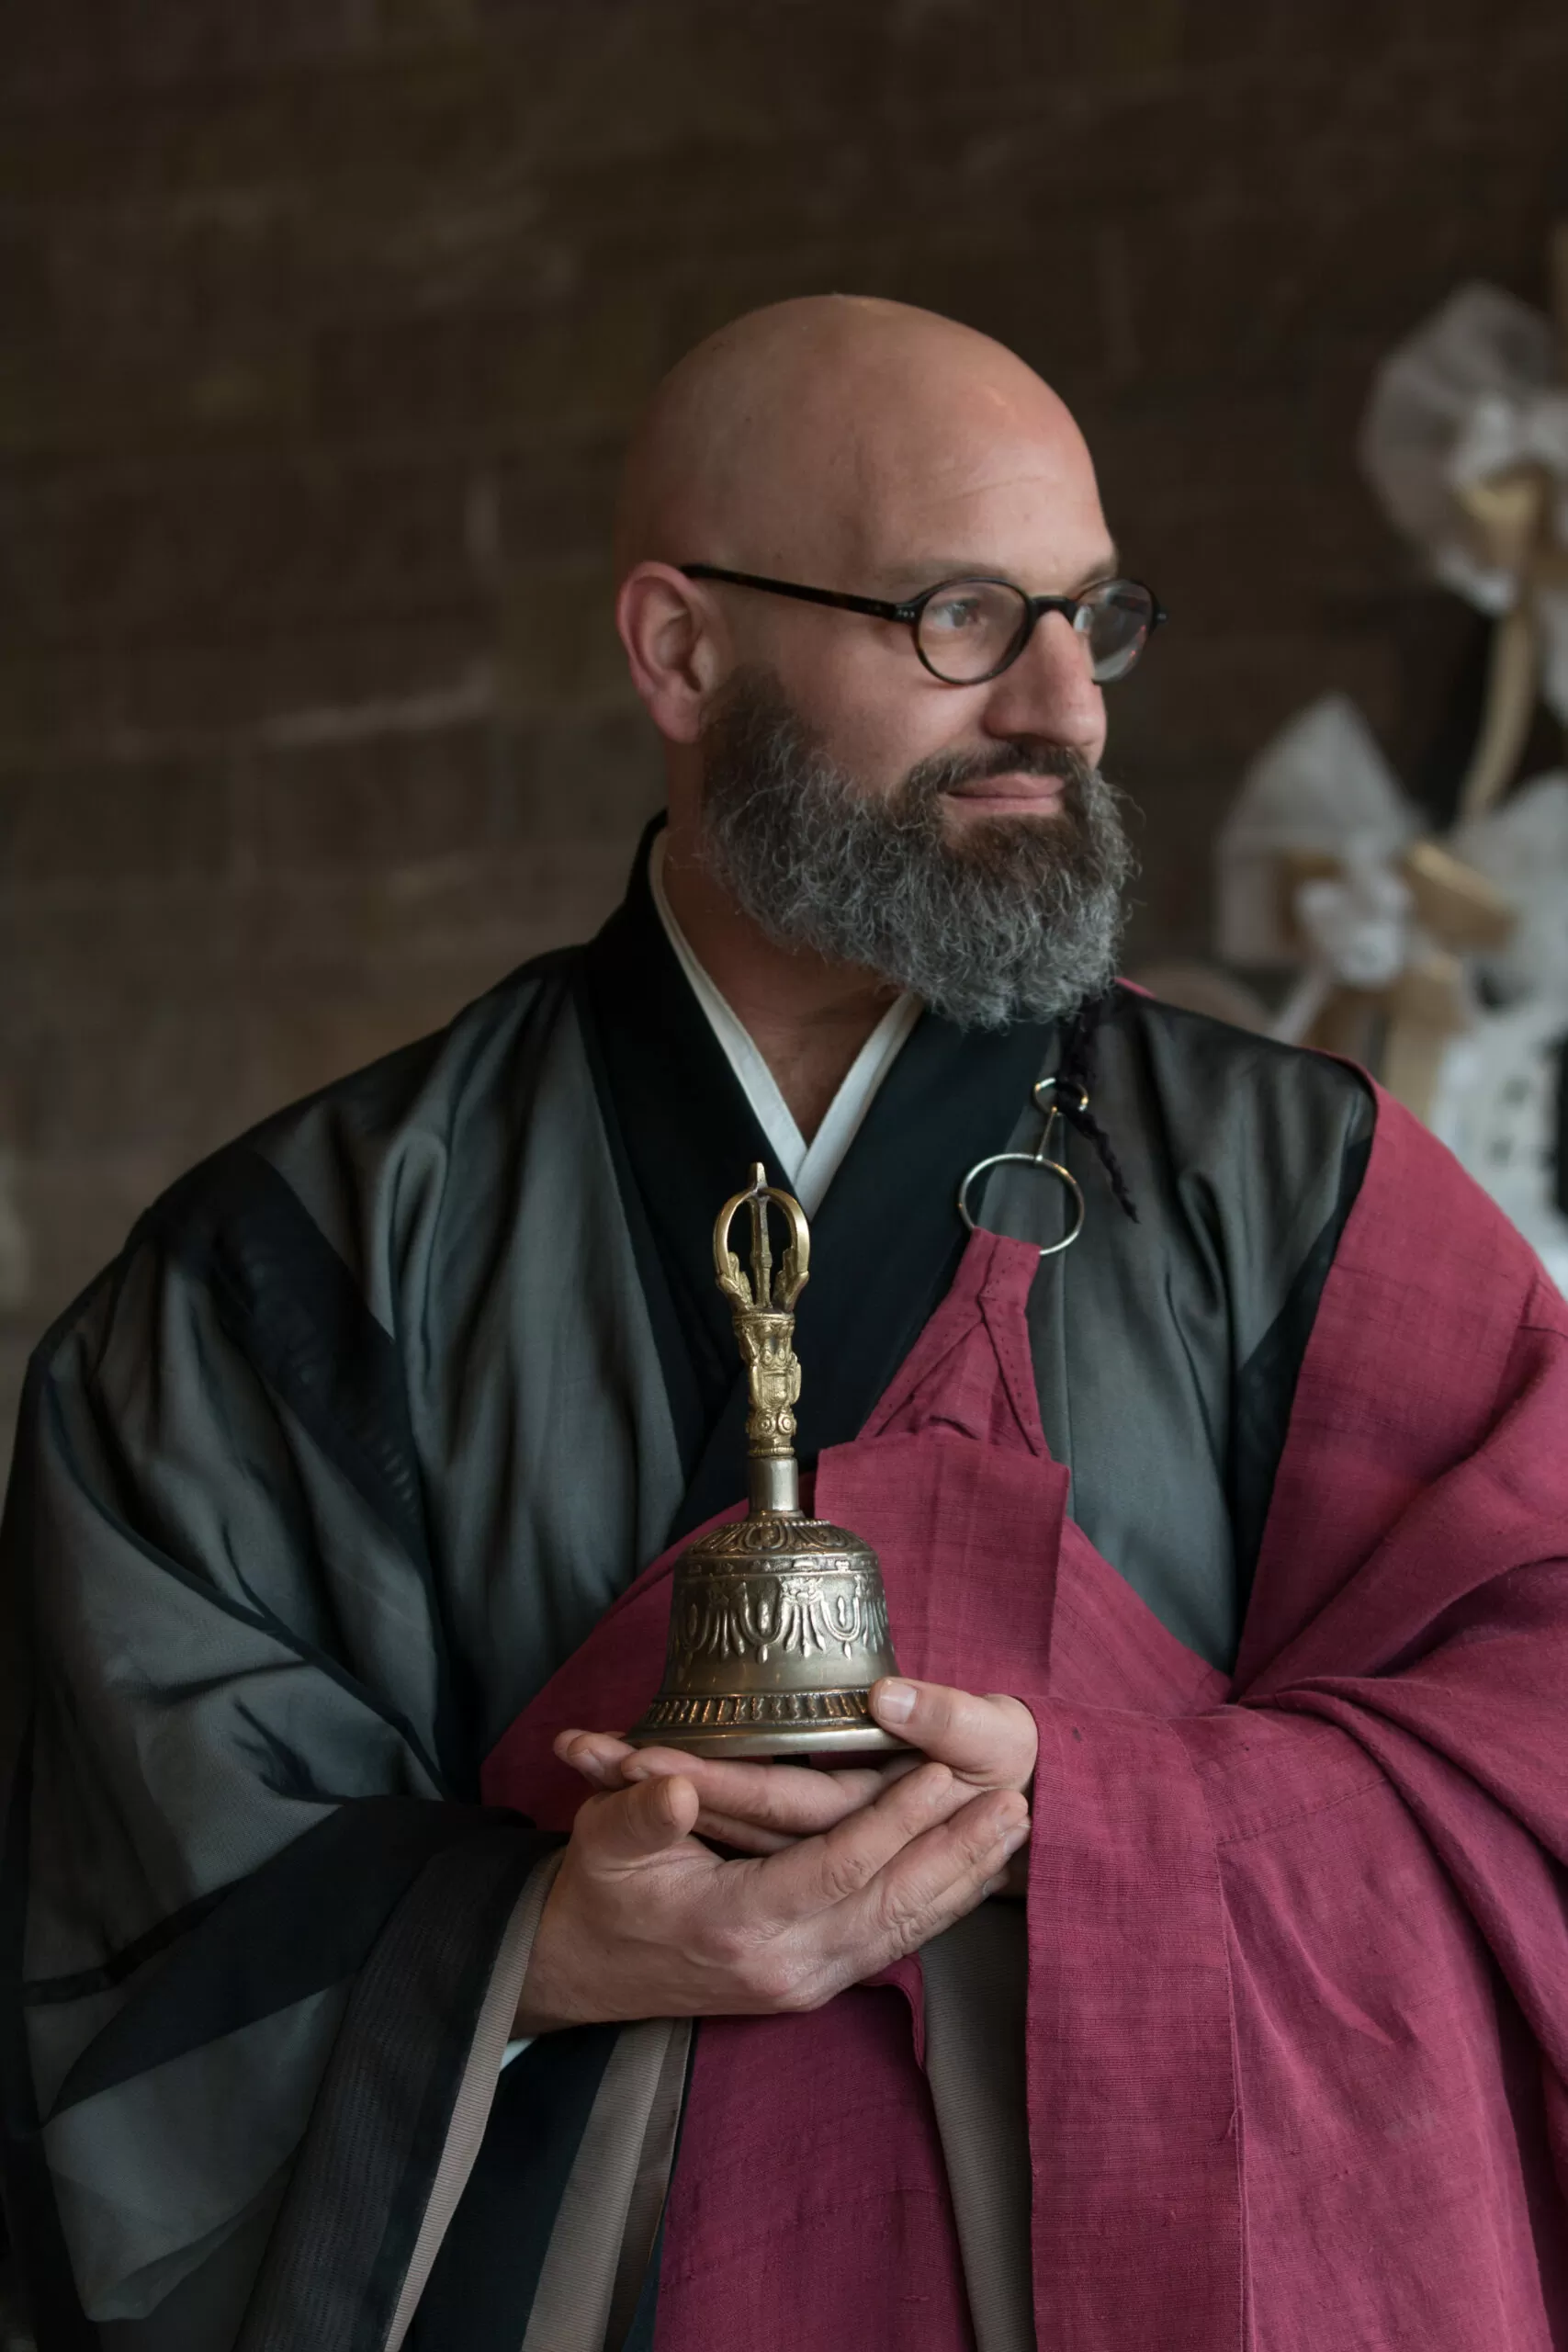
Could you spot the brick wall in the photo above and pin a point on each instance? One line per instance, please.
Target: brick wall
(321, 325)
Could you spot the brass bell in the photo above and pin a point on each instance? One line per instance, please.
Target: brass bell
(778, 1623)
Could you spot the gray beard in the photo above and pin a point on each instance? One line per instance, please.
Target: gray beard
(1018, 918)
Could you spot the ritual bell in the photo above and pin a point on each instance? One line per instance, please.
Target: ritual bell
(778, 1623)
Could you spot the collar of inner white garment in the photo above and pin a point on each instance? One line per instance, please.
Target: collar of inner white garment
(809, 1169)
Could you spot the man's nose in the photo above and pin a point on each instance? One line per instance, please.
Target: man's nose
(1050, 692)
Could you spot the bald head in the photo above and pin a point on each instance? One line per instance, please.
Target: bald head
(836, 437)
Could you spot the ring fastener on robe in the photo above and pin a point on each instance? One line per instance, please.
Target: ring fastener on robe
(1039, 1157)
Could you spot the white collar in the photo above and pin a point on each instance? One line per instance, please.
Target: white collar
(809, 1169)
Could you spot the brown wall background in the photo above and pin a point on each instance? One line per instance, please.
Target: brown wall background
(321, 325)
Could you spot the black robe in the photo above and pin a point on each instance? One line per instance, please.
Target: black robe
(318, 1484)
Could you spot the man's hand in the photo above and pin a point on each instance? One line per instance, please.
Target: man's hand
(990, 1743)
(987, 1743)
(643, 1920)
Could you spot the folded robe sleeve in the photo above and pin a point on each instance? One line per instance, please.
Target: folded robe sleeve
(262, 1948)
(1299, 1963)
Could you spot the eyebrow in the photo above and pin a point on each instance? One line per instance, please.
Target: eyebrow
(932, 572)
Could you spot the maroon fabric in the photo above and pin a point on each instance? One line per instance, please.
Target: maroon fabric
(1298, 2002)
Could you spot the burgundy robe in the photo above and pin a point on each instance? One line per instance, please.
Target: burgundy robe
(1298, 1948)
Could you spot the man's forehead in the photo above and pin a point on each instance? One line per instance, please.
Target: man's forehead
(1037, 521)
(948, 473)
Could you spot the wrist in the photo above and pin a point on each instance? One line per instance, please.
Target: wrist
(542, 2009)
(545, 1999)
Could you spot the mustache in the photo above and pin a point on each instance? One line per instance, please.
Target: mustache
(948, 770)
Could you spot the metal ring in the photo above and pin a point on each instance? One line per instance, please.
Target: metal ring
(1025, 1160)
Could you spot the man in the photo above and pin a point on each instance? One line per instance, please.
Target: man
(349, 1496)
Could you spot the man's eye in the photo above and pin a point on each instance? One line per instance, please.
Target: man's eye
(955, 613)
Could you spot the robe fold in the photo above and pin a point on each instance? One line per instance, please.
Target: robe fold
(370, 1454)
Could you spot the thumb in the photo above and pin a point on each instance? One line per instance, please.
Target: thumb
(629, 1827)
(991, 1741)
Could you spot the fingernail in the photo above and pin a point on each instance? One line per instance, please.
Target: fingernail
(994, 1885)
(895, 1702)
(1015, 1838)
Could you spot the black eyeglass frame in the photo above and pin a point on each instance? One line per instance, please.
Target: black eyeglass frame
(910, 612)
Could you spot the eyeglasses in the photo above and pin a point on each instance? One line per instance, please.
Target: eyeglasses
(968, 630)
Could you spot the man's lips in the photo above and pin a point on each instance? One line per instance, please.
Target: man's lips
(1010, 791)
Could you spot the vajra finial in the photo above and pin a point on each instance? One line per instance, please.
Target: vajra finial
(764, 1310)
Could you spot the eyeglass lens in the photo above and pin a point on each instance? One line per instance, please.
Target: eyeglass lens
(975, 628)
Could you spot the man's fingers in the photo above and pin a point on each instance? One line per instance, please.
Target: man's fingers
(595, 1754)
(925, 1884)
(758, 1807)
(629, 1827)
(939, 1877)
(821, 1871)
(991, 1741)
(791, 1800)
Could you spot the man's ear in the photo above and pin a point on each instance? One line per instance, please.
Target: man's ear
(675, 646)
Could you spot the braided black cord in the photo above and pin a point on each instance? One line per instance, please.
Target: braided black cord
(1080, 1045)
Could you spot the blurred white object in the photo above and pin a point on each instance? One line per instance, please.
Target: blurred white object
(1470, 396)
(1360, 924)
(1324, 870)
(1496, 1101)
(1356, 929)
(1321, 786)
(1465, 440)
(1495, 1106)
(1523, 847)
